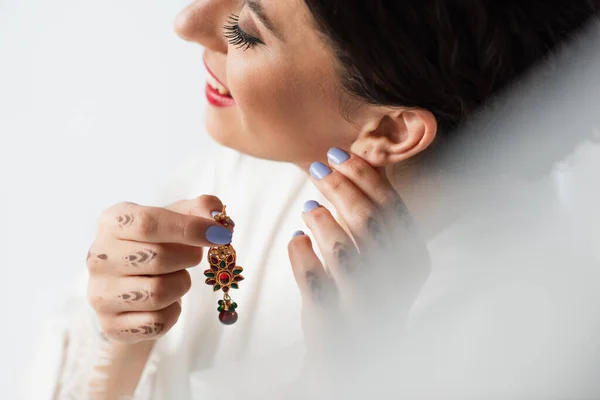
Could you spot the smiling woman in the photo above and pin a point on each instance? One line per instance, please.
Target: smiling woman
(318, 99)
(276, 64)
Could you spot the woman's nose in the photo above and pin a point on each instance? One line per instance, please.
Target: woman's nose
(202, 22)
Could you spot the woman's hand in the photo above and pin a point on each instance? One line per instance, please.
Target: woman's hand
(137, 264)
(375, 262)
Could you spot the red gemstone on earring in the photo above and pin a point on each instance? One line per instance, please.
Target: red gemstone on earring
(224, 278)
(228, 317)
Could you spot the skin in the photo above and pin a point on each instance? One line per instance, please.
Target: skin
(138, 269)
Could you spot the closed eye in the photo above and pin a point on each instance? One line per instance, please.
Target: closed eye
(237, 37)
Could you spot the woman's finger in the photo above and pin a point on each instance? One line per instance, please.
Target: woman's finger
(405, 242)
(128, 221)
(316, 287)
(323, 319)
(129, 258)
(366, 178)
(134, 327)
(362, 217)
(339, 252)
(374, 185)
(108, 295)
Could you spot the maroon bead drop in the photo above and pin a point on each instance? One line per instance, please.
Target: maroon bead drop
(228, 317)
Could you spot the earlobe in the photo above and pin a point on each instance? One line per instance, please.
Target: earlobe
(396, 137)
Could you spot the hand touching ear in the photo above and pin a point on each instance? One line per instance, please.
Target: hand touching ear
(375, 262)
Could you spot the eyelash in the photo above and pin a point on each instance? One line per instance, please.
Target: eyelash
(237, 37)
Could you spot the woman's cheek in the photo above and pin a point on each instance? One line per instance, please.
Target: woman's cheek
(262, 96)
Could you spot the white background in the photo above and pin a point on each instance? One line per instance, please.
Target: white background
(99, 103)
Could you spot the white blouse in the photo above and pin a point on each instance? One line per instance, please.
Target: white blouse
(265, 200)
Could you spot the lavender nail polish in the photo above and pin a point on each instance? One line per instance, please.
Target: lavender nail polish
(298, 233)
(337, 155)
(310, 205)
(319, 170)
(218, 234)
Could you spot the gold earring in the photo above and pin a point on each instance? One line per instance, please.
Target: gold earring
(224, 274)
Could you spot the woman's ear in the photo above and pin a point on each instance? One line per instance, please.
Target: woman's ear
(395, 136)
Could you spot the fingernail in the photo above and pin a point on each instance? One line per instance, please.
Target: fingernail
(298, 233)
(319, 170)
(215, 213)
(337, 155)
(310, 205)
(218, 234)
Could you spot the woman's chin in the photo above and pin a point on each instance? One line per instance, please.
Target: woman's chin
(223, 125)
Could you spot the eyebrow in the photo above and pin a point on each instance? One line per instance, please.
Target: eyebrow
(259, 11)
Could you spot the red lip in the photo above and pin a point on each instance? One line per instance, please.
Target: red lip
(213, 96)
(217, 99)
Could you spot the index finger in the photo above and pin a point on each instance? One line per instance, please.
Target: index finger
(374, 184)
(128, 221)
(369, 180)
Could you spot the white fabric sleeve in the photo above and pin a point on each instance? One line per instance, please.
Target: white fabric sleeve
(85, 352)
(69, 352)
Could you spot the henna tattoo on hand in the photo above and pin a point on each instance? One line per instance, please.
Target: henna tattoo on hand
(156, 329)
(125, 220)
(316, 287)
(103, 257)
(403, 214)
(343, 257)
(323, 292)
(135, 296)
(141, 257)
(147, 330)
(375, 231)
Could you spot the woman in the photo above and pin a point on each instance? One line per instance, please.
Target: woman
(344, 92)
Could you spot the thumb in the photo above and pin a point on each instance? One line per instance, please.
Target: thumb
(205, 206)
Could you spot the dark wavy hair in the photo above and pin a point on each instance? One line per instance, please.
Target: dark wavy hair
(447, 56)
